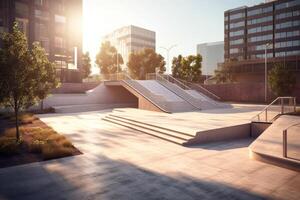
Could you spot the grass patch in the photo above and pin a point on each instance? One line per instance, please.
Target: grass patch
(36, 138)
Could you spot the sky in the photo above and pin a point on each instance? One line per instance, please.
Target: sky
(185, 23)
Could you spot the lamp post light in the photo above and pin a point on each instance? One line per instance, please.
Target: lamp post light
(168, 51)
(266, 73)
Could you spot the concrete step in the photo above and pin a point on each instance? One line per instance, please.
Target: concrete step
(156, 127)
(87, 107)
(168, 132)
(164, 136)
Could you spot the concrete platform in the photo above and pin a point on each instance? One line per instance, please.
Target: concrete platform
(201, 127)
(269, 145)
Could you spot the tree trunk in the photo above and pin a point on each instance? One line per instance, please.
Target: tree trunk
(17, 122)
(42, 105)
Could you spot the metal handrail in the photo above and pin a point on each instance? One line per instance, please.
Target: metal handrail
(284, 139)
(206, 90)
(266, 109)
(185, 95)
(184, 86)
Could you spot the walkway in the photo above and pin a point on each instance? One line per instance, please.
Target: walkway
(119, 163)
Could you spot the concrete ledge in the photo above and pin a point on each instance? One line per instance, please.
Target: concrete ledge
(221, 134)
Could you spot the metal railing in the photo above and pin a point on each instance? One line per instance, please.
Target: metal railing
(284, 139)
(281, 105)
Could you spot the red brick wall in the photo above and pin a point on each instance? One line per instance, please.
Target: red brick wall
(245, 92)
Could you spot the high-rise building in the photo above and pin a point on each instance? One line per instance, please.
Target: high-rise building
(131, 39)
(56, 24)
(274, 25)
(212, 53)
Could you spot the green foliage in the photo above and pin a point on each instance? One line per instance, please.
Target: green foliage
(143, 62)
(85, 68)
(187, 68)
(281, 80)
(26, 76)
(107, 59)
(224, 74)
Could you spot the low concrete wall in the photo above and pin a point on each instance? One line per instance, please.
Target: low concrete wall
(244, 92)
(221, 134)
(257, 128)
(99, 95)
(71, 88)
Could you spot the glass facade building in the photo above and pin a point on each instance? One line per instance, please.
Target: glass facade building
(130, 39)
(56, 24)
(249, 29)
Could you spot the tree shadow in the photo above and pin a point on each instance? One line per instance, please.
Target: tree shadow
(103, 178)
(225, 145)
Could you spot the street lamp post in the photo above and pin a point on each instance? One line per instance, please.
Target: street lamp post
(266, 73)
(168, 51)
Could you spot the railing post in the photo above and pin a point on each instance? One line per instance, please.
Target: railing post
(282, 108)
(294, 104)
(284, 150)
(266, 115)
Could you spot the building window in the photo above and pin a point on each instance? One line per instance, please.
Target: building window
(260, 29)
(60, 19)
(237, 16)
(235, 42)
(287, 4)
(41, 31)
(288, 24)
(41, 2)
(261, 38)
(288, 14)
(236, 33)
(21, 9)
(238, 24)
(59, 43)
(260, 11)
(260, 20)
(44, 15)
(293, 43)
(260, 56)
(259, 47)
(287, 34)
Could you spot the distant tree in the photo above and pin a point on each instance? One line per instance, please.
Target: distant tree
(107, 59)
(145, 61)
(26, 76)
(282, 81)
(187, 68)
(85, 68)
(224, 74)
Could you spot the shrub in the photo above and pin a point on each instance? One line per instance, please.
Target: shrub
(50, 151)
(36, 146)
(9, 146)
(27, 118)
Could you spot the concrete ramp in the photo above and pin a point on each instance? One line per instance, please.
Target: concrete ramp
(269, 145)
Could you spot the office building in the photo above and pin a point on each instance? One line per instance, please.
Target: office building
(56, 24)
(274, 25)
(212, 53)
(131, 39)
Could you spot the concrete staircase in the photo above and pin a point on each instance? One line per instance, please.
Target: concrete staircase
(268, 146)
(173, 136)
(172, 128)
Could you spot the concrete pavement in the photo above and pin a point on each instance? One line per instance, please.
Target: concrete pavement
(118, 163)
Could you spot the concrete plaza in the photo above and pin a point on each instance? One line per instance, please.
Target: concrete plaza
(119, 163)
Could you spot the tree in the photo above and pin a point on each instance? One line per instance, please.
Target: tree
(108, 58)
(26, 76)
(85, 68)
(187, 68)
(224, 73)
(282, 81)
(146, 61)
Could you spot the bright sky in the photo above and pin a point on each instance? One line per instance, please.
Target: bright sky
(182, 22)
